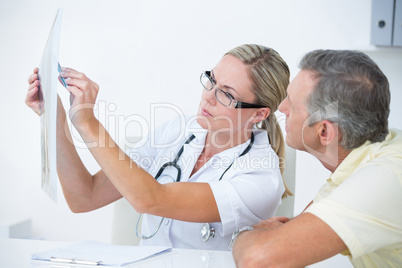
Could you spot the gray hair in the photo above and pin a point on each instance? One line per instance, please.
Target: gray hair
(350, 91)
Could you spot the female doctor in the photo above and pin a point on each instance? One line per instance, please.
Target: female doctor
(224, 172)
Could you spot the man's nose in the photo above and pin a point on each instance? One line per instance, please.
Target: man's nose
(282, 107)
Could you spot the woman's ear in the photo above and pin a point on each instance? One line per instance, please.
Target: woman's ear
(260, 115)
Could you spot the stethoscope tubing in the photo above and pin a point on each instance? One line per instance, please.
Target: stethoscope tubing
(174, 164)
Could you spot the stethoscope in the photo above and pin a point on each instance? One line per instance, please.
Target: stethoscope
(207, 231)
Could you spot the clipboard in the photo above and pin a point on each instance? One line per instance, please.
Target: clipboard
(99, 254)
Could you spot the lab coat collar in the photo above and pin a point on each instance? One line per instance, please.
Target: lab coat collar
(200, 135)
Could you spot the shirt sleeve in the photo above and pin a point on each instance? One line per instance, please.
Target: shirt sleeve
(247, 198)
(365, 210)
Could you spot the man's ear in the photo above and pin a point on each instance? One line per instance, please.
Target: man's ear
(327, 132)
(260, 115)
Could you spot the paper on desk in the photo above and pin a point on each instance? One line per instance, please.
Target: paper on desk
(48, 77)
(108, 255)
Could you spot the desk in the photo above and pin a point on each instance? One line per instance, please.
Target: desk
(17, 253)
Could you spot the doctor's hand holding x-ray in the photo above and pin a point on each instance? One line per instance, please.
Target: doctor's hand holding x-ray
(242, 91)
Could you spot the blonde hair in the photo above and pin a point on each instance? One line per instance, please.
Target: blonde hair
(269, 74)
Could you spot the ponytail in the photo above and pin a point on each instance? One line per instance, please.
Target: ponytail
(277, 142)
(269, 74)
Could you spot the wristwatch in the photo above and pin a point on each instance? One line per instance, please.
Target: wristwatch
(237, 232)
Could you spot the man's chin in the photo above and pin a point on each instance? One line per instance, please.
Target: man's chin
(290, 143)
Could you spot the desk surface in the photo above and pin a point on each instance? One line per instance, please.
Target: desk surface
(17, 253)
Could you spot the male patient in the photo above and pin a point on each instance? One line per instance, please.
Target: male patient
(337, 109)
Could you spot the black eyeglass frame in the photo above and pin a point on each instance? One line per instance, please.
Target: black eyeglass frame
(237, 104)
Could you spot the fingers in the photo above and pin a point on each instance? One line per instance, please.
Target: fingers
(78, 93)
(82, 89)
(33, 76)
(68, 69)
(33, 90)
(267, 224)
(34, 84)
(73, 74)
(81, 84)
(280, 219)
(32, 95)
(32, 99)
(272, 222)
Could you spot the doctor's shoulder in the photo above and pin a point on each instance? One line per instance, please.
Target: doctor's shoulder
(261, 160)
(172, 131)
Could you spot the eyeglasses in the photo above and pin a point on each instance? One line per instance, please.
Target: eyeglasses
(222, 96)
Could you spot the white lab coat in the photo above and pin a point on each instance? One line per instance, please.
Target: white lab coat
(249, 192)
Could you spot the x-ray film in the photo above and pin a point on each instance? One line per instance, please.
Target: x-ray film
(48, 77)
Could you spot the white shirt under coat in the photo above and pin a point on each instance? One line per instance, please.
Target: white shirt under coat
(250, 191)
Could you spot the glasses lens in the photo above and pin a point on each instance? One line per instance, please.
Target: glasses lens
(206, 82)
(222, 97)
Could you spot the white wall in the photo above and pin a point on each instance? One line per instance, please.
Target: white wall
(147, 52)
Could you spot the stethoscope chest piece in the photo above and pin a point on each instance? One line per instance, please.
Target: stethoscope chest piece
(207, 232)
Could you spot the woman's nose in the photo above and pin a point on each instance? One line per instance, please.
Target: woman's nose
(209, 95)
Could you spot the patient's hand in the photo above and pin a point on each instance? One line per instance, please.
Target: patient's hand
(271, 223)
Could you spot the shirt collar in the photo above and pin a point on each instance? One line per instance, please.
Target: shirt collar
(356, 157)
(201, 134)
(196, 130)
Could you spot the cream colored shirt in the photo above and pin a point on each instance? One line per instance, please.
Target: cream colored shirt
(362, 203)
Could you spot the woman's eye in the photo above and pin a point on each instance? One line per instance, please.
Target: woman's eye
(229, 95)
